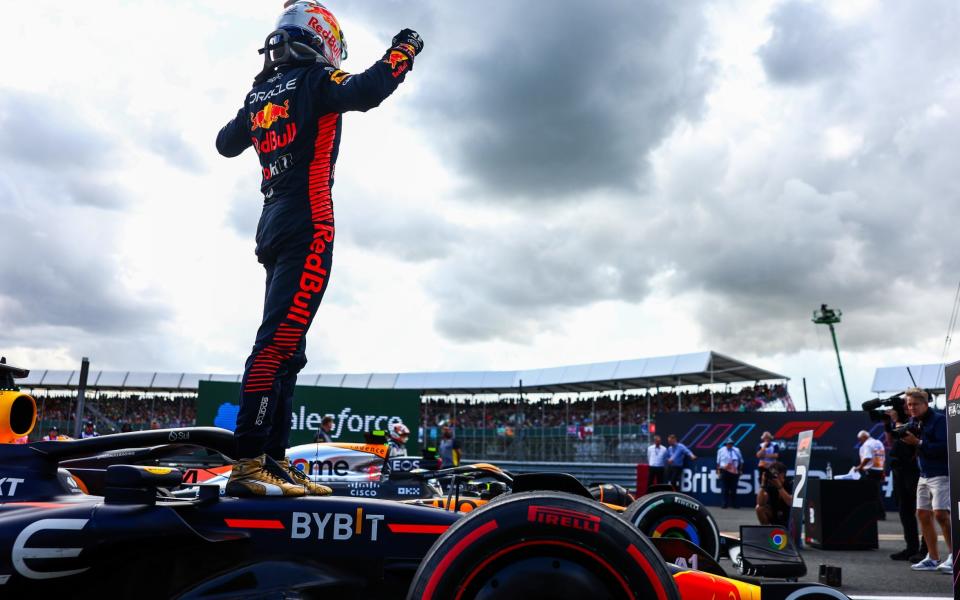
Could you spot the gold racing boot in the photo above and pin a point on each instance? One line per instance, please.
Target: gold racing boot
(300, 478)
(249, 478)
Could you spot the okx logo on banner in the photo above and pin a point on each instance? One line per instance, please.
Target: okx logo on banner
(354, 411)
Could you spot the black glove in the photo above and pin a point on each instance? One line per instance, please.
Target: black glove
(408, 38)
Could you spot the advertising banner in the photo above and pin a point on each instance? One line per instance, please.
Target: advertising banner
(952, 384)
(834, 444)
(354, 411)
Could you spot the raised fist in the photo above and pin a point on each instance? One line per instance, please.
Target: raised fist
(411, 38)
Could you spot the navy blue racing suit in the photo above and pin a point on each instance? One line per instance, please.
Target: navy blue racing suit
(293, 122)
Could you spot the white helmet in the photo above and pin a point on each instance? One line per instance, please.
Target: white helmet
(397, 430)
(310, 22)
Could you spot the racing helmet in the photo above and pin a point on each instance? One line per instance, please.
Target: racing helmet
(398, 432)
(310, 23)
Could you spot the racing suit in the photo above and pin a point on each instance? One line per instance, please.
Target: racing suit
(293, 122)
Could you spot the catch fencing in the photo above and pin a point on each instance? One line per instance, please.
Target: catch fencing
(602, 444)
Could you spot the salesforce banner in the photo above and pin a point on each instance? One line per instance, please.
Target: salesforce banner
(834, 443)
(354, 411)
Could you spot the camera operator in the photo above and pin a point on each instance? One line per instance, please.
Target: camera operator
(906, 473)
(927, 432)
(775, 496)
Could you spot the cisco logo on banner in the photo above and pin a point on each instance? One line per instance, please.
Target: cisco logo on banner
(706, 436)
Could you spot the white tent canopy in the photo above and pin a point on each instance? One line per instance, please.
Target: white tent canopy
(889, 380)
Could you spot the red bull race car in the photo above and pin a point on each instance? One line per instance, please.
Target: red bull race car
(124, 532)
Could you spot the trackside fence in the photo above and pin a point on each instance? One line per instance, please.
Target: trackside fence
(603, 444)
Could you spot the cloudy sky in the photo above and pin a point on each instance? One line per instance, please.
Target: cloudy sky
(557, 182)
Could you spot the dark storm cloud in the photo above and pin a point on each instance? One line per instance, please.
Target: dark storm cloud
(806, 44)
(502, 284)
(757, 237)
(545, 101)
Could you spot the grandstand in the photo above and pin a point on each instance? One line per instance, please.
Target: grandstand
(595, 411)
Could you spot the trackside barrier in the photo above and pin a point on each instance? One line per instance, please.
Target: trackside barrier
(624, 474)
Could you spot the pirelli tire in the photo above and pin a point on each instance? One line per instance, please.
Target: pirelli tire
(676, 515)
(542, 545)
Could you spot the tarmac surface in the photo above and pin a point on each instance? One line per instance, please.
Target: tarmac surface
(866, 574)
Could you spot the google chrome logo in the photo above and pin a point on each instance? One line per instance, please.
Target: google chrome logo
(778, 539)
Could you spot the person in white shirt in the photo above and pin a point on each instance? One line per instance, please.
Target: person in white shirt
(729, 467)
(872, 456)
(657, 459)
(767, 453)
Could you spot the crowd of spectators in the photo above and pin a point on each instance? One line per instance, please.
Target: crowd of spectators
(578, 415)
(581, 414)
(113, 413)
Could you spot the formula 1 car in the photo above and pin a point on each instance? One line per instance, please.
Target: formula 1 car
(133, 538)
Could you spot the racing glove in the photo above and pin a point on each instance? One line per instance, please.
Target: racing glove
(404, 48)
(409, 37)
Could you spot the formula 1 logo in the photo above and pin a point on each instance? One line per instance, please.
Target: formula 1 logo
(794, 428)
(269, 114)
(955, 389)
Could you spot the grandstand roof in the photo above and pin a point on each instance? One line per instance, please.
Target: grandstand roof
(662, 371)
(889, 380)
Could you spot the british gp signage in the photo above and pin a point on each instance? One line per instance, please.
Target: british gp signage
(354, 411)
(834, 442)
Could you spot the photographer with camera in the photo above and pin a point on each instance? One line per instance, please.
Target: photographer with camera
(906, 474)
(775, 496)
(927, 432)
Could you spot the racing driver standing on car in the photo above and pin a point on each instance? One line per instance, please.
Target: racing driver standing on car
(292, 118)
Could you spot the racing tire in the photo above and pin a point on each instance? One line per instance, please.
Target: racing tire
(672, 514)
(542, 545)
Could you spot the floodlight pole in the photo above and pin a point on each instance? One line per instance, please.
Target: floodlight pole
(828, 316)
(81, 395)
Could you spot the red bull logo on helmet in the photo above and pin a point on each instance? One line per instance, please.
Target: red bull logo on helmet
(331, 20)
(269, 114)
(331, 37)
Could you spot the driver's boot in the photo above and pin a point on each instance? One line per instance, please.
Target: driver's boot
(300, 478)
(249, 478)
